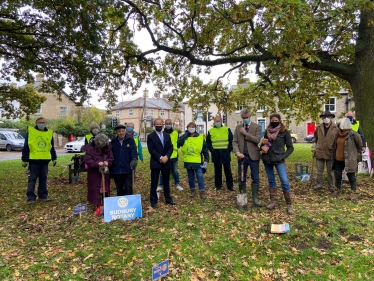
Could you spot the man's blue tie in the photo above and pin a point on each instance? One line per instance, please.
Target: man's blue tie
(162, 139)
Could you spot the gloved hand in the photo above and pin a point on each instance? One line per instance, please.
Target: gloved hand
(205, 165)
(133, 163)
(24, 164)
(54, 162)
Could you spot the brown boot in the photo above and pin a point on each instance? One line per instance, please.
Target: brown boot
(193, 193)
(202, 194)
(273, 198)
(352, 196)
(287, 197)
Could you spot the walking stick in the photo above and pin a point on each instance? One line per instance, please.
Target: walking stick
(133, 180)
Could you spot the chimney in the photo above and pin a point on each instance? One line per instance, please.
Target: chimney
(165, 97)
(145, 94)
(39, 77)
(13, 85)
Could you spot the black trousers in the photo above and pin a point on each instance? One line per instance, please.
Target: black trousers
(123, 184)
(218, 175)
(155, 173)
(38, 171)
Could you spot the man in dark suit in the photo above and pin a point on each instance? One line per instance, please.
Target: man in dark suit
(160, 148)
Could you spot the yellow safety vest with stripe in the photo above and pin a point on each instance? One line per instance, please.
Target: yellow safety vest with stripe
(356, 126)
(174, 139)
(192, 148)
(40, 144)
(89, 137)
(136, 140)
(219, 137)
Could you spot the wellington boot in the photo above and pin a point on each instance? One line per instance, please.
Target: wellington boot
(273, 198)
(98, 210)
(202, 194)
(255, 188)
(287, 197)
(193, 193)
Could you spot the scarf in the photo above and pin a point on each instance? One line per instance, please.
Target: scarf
(272, 133)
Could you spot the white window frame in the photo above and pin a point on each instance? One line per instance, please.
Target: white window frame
(170, 114)
(261, 108)
(131, 113)
(162, 112)
(239, 108)
(39, 111)
(327, 106)
(117, 113)
(152, 111)
(63, 113)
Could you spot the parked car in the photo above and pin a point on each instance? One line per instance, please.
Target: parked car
(11, 140)
(309, 138)
(75, 146)
(294, 137)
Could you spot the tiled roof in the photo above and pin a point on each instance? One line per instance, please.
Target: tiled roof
(150, 103)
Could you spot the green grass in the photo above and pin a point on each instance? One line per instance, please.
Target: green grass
(330, 239)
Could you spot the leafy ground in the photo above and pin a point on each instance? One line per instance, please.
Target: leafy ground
(331, 238)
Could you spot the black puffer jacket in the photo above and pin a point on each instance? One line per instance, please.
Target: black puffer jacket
(276, 154)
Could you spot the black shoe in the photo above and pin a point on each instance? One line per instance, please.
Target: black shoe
(45, 199)
(231, 188)
(154, 206)
(218, 188)
(171, 203)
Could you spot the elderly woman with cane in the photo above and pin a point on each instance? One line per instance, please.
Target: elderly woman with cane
(98, 158)
(346, 149)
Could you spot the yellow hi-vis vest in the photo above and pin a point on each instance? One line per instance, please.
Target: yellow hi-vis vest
(192, 148)
(174, 139)
(219, 137)
(136, 140)
(89, 137)
(356, 126)
(40, 144)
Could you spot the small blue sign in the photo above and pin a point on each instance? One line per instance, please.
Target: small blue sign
(160, 270)
(80, 208)
(122, 207)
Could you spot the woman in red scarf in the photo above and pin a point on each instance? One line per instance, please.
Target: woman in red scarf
(273, 156)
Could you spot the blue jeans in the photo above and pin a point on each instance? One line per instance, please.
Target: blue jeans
(282, 173)
(255, 169)
(174, 170)
(199, 176)
(38, 170)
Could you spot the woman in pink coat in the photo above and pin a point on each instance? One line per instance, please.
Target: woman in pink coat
(98, 158)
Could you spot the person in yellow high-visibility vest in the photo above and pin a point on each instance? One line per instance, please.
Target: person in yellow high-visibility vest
(196, 158)
(94, 130)
(174, 135)
(130, 131)
(219, 141)
(37, 152)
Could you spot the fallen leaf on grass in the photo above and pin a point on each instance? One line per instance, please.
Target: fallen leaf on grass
(88, 257)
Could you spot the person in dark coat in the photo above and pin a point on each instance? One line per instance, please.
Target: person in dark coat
(195, 157)
(160, 147)
(274, 156)
(219, 142)
(98, 158)
(125, 161)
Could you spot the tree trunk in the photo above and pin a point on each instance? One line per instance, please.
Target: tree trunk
(362, 82)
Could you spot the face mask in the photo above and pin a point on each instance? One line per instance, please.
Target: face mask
(129, 129)
(95, 131)
(274, 124)
(191, 130)
(350, 118)
(217, 124)
(246, 121)
(168, 127)
(41, 126)
(326, 120)
(158, 128)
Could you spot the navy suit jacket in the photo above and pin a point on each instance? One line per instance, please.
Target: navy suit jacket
(156, 150)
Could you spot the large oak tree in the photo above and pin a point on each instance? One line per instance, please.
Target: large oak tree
(303, 51)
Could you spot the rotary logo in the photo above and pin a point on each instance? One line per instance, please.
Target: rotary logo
(42, 144)
(122, 202)
(164, 267)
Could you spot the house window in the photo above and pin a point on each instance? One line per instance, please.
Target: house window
(261, 108)
(239, 108)
(130, 112)
(151, 112)
(331, 105)
(146, 112)
(63, 110)
(162, 112)
(170, 114)
(117, 113)
(39, 111)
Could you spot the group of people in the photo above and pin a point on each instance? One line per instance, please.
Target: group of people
(336, 146)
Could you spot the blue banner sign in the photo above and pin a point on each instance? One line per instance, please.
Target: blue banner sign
(160, 270)
(122, 208)
(80, 208)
